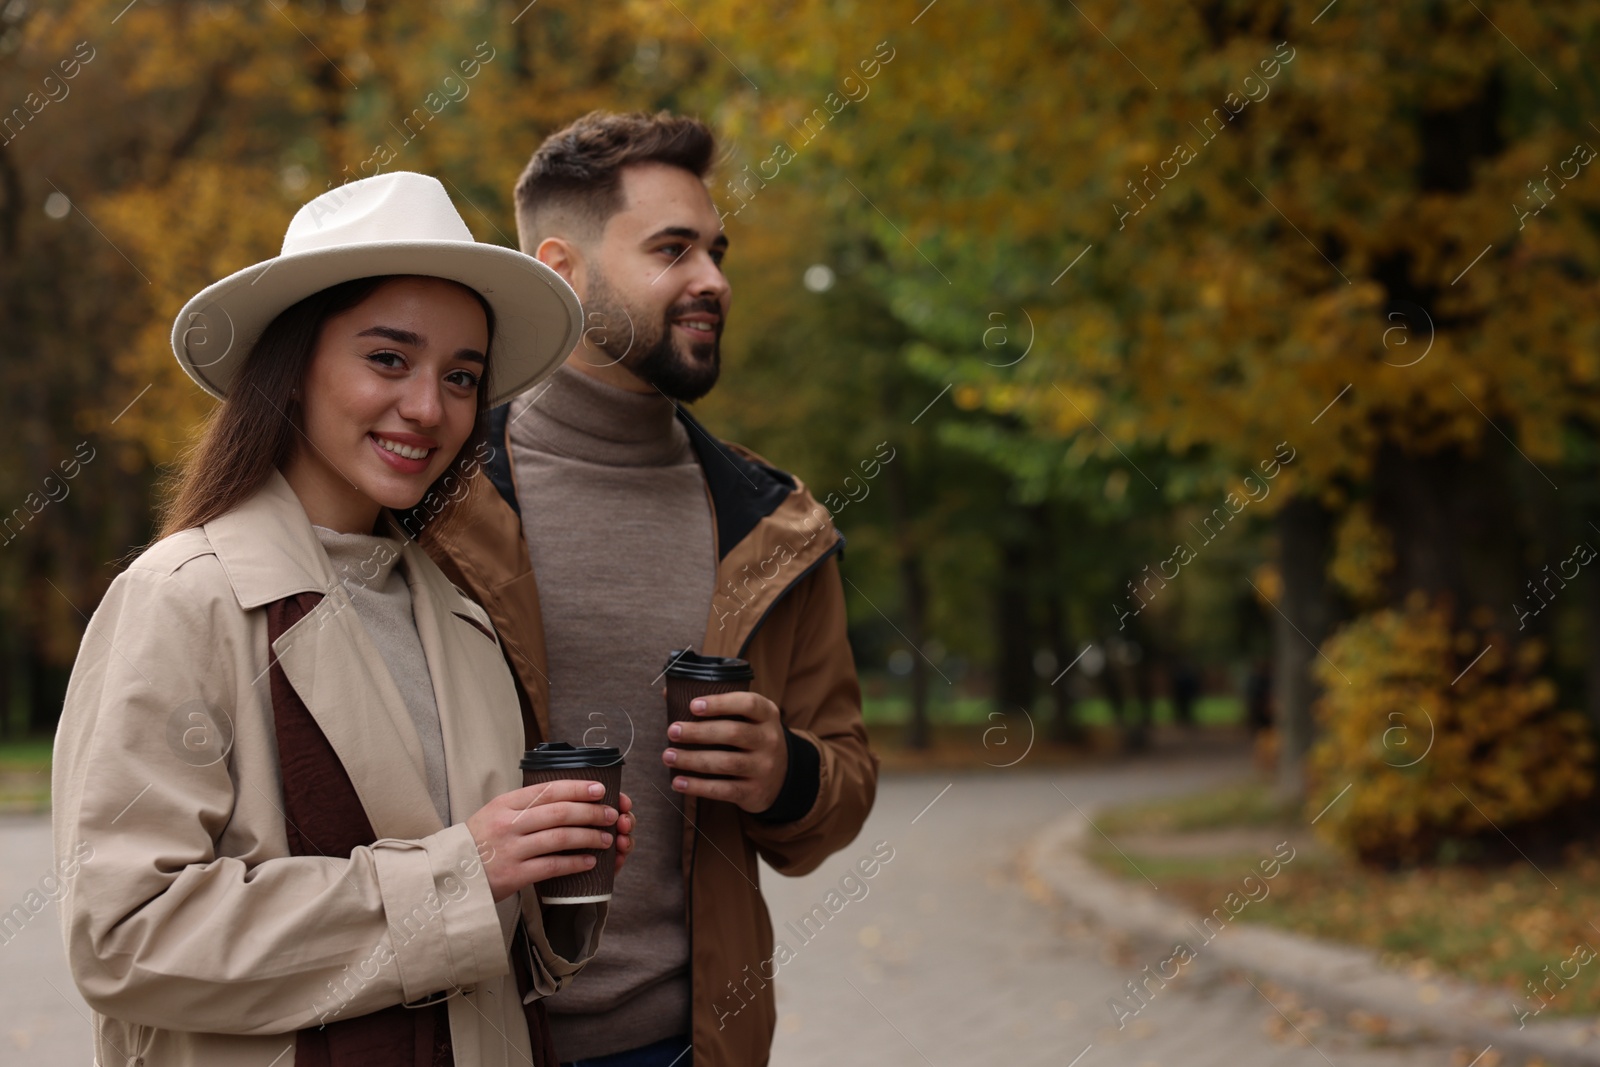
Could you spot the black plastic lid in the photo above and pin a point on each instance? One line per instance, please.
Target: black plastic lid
(561, 756)
(687, 663)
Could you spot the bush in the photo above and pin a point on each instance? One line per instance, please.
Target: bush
(1436, 758)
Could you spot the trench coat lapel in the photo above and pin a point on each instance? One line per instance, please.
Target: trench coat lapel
(269, 550)
(339, 674)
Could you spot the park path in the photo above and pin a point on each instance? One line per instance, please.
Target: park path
(947, 960)
(43, 1021)
(951, 961)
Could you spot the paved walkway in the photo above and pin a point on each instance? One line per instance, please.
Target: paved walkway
(43, 1021)
(948, 959)
(951, 960)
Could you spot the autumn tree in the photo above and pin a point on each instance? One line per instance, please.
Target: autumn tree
(1365, 235)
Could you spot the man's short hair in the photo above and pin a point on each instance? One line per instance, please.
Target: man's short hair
(573, 184)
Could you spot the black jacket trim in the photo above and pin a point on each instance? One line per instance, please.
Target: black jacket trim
(498, 468)
(801, 783)
(743, 492)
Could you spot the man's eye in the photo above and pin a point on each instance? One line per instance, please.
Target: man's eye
(674, 250)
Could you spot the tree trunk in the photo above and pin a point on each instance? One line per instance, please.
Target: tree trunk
(1447, 515)
(1302, 620)
(1143, 709)
(1064, 728)
(914, 596)
(12, 719)
(1014, 676)
(915, 591)
(1591, 603)
(1111, 681)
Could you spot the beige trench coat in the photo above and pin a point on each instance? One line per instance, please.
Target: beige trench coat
(192, 933)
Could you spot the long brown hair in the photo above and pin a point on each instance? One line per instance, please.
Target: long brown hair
(255, 431)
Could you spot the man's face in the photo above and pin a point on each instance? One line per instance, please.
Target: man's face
(654, 295)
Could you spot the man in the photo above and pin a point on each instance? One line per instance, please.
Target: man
(610, 529)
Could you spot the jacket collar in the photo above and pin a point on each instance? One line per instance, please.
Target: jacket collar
(744, 491)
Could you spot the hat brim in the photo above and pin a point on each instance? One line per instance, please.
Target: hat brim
(538, 319)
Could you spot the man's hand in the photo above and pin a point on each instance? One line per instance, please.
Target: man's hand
(754, 773)
(625, 824)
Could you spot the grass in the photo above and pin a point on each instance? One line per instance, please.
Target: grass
(983, 747)
(889, 711)
(1499, 926)
(25, 775)
(1250, 804)
(31, 755)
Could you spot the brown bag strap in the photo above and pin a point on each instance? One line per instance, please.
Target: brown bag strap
(323, 816)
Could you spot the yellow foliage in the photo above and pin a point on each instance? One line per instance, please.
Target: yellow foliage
(1435, 742)
(1363, 555)
(1223, 312)
(1268, 581)
(186, 235)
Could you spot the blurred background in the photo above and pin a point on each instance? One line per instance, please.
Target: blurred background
(1182, 372)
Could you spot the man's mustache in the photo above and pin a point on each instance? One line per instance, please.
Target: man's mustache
(705, 304)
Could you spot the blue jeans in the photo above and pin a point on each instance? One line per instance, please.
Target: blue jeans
(671, 1052)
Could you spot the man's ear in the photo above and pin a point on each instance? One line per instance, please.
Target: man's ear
(563, 257)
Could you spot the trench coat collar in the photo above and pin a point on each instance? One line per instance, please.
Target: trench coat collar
(269, 551)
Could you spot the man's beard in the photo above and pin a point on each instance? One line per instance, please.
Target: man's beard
(651, 353)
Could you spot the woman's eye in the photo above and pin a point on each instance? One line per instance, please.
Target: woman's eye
(387, 359)
(464, 378)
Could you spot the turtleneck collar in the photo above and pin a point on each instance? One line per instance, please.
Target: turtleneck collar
(367, 559)
(578, 416)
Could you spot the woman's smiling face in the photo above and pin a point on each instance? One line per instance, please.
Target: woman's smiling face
(389, 399)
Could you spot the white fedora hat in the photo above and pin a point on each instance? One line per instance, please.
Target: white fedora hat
(398, 223)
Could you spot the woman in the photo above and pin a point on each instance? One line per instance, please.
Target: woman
(290, 746)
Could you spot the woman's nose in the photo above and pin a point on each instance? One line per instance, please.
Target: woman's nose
(420, 402)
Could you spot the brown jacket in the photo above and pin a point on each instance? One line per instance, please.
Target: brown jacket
(779, 603)
(193, 932)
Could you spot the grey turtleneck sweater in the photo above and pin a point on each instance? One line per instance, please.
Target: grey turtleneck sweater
(619, 532)
(369, 569)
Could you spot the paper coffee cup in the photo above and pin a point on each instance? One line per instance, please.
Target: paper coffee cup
(558, 761)
(689, 676)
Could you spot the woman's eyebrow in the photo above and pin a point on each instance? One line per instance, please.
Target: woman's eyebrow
(416, 340)
(405, 337)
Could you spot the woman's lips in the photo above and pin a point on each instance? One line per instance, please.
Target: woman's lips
(403, 464)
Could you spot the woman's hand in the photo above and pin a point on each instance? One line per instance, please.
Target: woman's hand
(521, 834)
